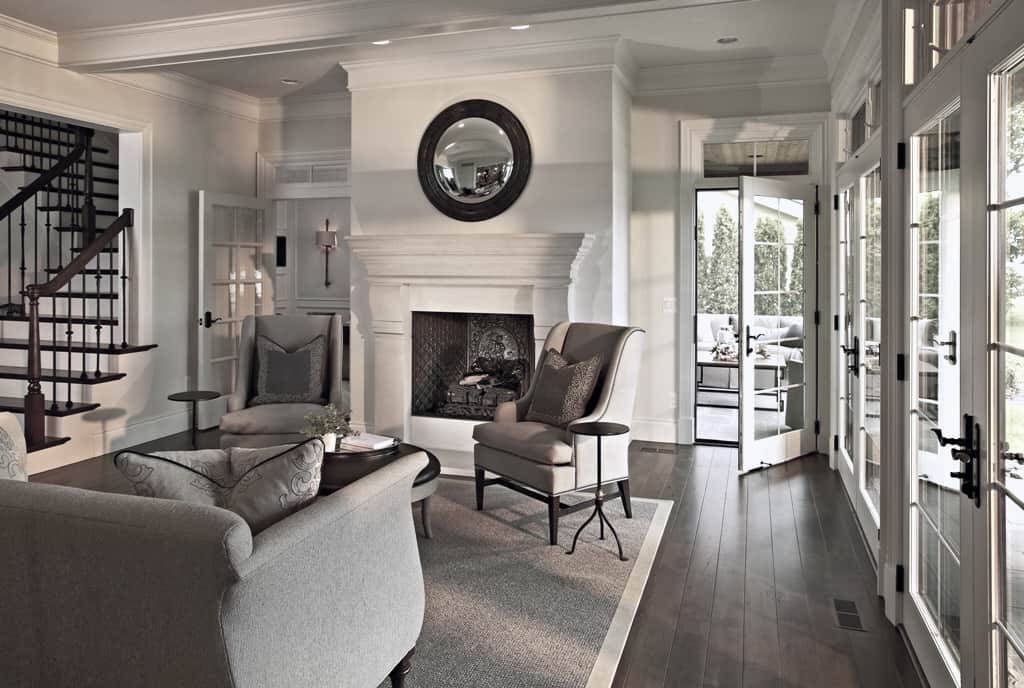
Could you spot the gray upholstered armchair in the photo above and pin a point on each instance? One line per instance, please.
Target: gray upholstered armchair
(546, 462)
(103, 590)
(266, 425)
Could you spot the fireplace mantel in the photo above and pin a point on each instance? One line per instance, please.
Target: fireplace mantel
(491, 259)
(510, 274)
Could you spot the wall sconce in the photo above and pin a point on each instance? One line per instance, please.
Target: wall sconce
(327, 240)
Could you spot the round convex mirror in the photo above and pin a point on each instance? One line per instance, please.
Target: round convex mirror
(474, 160)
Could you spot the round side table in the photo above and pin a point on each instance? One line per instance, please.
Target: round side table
(194, 397)
(599, 430)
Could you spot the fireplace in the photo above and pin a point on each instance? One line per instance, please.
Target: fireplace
(465, 364)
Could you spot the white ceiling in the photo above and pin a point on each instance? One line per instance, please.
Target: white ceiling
(658, 37)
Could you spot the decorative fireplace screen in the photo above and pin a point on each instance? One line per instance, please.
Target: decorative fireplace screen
(465, 364)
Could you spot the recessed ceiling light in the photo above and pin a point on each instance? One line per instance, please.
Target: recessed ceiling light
(726, 40)
(519, 27)
(383, 42)
(290, 82)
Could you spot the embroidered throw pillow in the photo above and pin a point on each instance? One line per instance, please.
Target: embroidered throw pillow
(289, 377)
(261, 485)
(563, 389)
(12, 449)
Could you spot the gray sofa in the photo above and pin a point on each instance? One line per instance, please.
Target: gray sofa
(783, 332)
(268, 425)
(108, 590)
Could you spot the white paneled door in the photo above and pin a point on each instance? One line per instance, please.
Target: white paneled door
(777, 329)
(236, 268)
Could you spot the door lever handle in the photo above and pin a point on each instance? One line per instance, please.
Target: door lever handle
(951, 344)
(750, 338)
(208, 320)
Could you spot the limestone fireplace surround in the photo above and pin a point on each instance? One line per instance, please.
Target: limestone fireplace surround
(529, 274)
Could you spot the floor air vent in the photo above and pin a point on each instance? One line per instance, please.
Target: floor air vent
(847, 616)
(656, 450)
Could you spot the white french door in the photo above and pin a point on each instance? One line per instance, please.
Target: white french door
(859, 337)
(964, 611)
(236, 268)
(777, 330)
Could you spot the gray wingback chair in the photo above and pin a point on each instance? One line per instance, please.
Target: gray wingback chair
(546, 462)
(103, 590)
(268, 425)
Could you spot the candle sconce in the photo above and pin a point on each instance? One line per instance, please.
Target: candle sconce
(327, 241)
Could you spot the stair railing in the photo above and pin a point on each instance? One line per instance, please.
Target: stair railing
(35, 403)
(83, 143)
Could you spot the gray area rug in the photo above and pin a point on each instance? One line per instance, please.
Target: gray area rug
(505, 609)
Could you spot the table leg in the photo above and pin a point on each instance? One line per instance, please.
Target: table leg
(195, 422)
(425, 517)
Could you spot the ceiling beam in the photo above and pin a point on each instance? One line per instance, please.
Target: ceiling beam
(318, 24)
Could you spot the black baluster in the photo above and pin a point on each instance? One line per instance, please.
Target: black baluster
(123, 239)
(22, 267)
(110, 286)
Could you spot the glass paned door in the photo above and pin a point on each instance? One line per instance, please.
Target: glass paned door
(236, 278)
(1006, 226)
(859, 341)
(777, 333)
(934, 378)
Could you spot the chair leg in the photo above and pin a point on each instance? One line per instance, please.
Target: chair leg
(425, 517)
(553, 511)
(402, 670)
(479, 489)
(624, 491)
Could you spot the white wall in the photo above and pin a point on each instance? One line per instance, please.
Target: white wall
(188, 147)
(657, 230)
(325, 133)
(301, 287)
(569, 120)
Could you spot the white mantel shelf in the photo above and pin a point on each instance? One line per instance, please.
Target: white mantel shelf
(482, 259)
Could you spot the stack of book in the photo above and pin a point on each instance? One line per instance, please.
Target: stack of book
(366, 441)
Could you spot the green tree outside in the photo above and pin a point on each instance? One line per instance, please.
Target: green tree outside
(719, 288)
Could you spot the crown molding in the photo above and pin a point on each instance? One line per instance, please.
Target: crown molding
(800, 70)
(186, 89)
(860, 63)
(315, 24)
(840, 33)
(325, 106)
(27, 40)
(583, 55)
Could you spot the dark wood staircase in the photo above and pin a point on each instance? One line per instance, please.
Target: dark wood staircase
(68, 283)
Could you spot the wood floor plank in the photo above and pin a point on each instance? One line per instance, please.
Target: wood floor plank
(654, 639)
(799, 651)
(690, 642)
(761, 665)
(723, 667)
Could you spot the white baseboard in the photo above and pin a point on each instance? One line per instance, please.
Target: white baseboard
(86, 443)
(653, 430)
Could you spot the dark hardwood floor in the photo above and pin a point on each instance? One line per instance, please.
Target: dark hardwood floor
(742, 590)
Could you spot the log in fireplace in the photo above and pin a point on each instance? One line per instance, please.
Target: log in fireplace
(465, 364)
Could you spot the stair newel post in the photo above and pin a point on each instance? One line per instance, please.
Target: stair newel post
(35, 404)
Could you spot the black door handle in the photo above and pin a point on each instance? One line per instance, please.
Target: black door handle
(208, 320)
(750, 338)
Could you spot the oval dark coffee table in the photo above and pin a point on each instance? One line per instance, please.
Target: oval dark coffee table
(344, 468)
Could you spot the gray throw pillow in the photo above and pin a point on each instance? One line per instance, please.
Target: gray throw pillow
(12, 449)
(563, 389)
(289, 377)
(261, 485)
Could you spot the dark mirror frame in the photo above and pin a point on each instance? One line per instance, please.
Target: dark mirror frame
(522, 160)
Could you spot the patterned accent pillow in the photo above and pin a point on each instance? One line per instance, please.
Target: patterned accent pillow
(12, 449)
(290, 377)
(563, 389)
(262, 486)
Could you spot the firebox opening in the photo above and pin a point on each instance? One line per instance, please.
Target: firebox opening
(465, 364)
